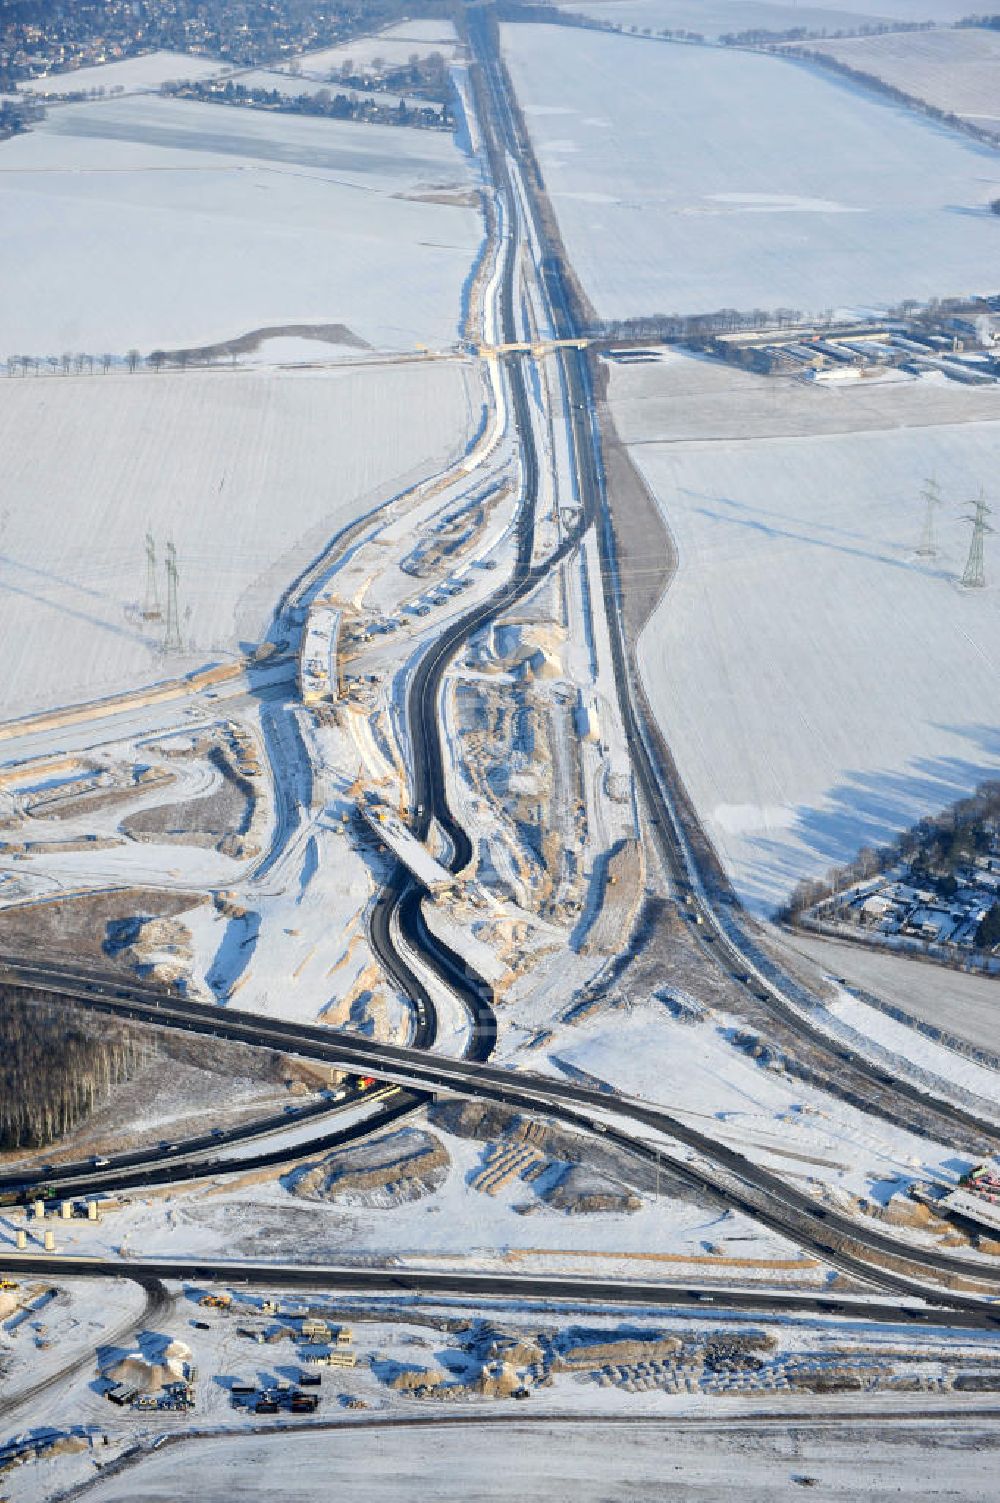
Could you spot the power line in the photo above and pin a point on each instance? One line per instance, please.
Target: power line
(932, 500)
(172, 634)
(974, 577)
(151, 604)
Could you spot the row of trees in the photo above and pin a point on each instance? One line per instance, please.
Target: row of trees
(428, 76)
(81, 364)
(56, 1064)
(693, 327)
(515, 10)
(898, 96)
(319, 102)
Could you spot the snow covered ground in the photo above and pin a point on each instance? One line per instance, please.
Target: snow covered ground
(681, 397)
(249, 219)
(456, 1226)
(714, 18)
(395, 46)
(953, 70)
(707, 1440)
(964, 1006)
(249, 474)
(819, 685)
(590, 1461)
(697, 1071)
(134, 75)
(689, 179)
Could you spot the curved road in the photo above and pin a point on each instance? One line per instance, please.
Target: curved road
(716, 1170)
(673, 823)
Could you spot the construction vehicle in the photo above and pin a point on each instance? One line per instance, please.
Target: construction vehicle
(9, 1284)
(216, 1301)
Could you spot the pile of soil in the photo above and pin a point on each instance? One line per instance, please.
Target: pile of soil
(388, 1171)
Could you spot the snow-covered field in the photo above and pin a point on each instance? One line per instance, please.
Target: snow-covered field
(965, 1006)
(161, 222)
(695, 1071)
(715, 18)
(591, 1462)
(689, 179)
(394, 46)
(687, 397)
(456, 1226)
(712, 18)
(820, 686)
(133, 74)
(250, 474)
(953, 70)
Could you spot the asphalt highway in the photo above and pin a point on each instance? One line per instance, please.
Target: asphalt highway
(579, 1291)
(714, 1169)
(733, 948)
(88, 1180)
(210, 1142)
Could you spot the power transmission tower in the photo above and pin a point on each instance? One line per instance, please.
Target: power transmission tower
(932, 500)
(172, 635)
(151, 606)
(975, 572)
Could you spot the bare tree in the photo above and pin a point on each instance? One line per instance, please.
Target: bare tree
(133, 360)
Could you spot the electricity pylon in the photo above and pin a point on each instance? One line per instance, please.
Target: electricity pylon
(932, 500)
(151, 605)
(975, 572)
(172, 635)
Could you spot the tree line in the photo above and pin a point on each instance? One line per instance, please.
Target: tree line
(56, 1065)
(80, 364)
(890, 91)
(320, 102)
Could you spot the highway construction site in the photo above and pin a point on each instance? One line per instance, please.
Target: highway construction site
(444, 1025)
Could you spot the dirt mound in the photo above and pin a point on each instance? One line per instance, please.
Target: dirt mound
(410, 1378)
(581, 1191)
(158, 949)
(145, 1375)
(473, 1119)
(147, 1371)
(498, 1380)
(388, 1171)
(624, 1352)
